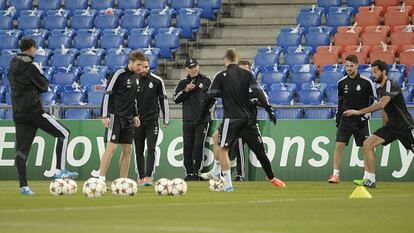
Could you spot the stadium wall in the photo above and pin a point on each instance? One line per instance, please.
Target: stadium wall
(300, 150)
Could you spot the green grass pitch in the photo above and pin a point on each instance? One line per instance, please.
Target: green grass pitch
(254, 207)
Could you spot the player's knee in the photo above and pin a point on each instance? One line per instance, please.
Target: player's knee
(368, 145)
(20, 156)
(216, 137)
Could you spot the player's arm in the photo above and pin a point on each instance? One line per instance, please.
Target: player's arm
(384, 118)
(163, 99)
(262, 99)
(374, 107)
(106, 107)
(180, 94)
(340, 110)
(37, 78)
(210, 97)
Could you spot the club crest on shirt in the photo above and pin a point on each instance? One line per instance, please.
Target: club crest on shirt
(200, 85)
(113, 136)
(128, 83)
(150, 85)
(358, 88)
(346, 89)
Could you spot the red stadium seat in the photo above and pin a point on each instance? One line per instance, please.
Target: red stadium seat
(367, 18)
(406, 10)
(403, 28)
(407, 56)
(371, 38)
(409, 3)
(386, 3)
(357, 29)
(344, 39)
(402, 38)
(388, 56)
(377, 9)
(396, 18)
(379, 28)
(360, 51)
(326, 55)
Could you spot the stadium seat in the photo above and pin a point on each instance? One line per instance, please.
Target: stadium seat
(286, 114)
(317, 113)
(396, 75)
(344, 39)
(155, 4)
(329, 3)
(332, 94)
(357, 3)
(105, 20)
(326, 55)
(300, 78)
(140, 38)
(6, 56)
(38, 35)
(9, 115)
(3, 90)
(95, 98)
(46, 5)
(59, 37)
(91, 77)
(113, 38)
(22, 4)
(267, 57)
(76, 5)
(360, 51)
(312, 86)
(189, 22)
(309, 19)
(133, 18)
(407, 57)
(43, 56)
(48, 72)
(48, 98)
(355, 29)
(408, 96)
(6, 19)
(330, 77)
(396, 18)
(367, 18)
(8, 98)
(274, 75)
(380, 28)
(319, 10)
(29, 19)
(372, 38)
(365, 70)
(210, 8)
(90, 57)
(10, 39)
(83, 19)
(289, 37)
(4, 79)
(102, 4)
(168, 41)
(2, 114)
(280, 96)
(310, 97)
(158, 20)
(338, 18)
(77, 114)
(129, 4)
(387, 54)
(180, 4)
(63, 58)
(385, 4)
(56, 19)
(404, 9)
(308, 68)
(402, 38)
(297, 55)
(65, 76)
(2, 4)
(316, 37)
(117, 58)
(291, 87)
(86, 38)
(152, 54)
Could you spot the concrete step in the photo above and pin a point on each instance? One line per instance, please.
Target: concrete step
(274, 21)
(273, 2)
(235, 41)
(247, 31)
(217, 52)
(268, 11)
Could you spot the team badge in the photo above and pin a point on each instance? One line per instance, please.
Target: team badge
(358, 88)
(150, 85)
(113, 137)
(200, 85)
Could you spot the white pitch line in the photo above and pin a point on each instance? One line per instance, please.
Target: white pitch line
(190, 204)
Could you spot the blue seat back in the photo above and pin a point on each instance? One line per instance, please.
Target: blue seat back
(77, 114)
(102, 4)
(288, 114)
(129, 4)
(155, 4)
(10, 39)
(140, 38)
(133, 19)
(210, 8)
(310, 97)
(86, 38)
(280, 96)
(76, 4)
(104, 20)
(317, 114)
(83, 19)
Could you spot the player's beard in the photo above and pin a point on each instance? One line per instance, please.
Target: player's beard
(379, 79)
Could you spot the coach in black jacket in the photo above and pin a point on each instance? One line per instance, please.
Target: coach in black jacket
(191, 91)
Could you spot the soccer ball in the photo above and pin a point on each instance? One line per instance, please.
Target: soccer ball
(124, 187)
(216, 185)
(162, 186)
(58, 187)
(178, 187)
(94, 187)
(72, 187)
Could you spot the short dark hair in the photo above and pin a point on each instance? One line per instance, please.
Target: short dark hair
(381, 65)
(352, 58)
(137, 56)
(231, 55)
(245, 63)
(26, 44)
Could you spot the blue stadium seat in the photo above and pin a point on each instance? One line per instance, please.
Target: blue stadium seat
(357, 3)
(76, 4)
(159, 20)
(316, 37)
(48, 98)
(267, 57)
(338, 18)
(319, 10)
(396, 76)
(330, 77)
(6, 19)
(285, 114)
(22, 4)
(280, 96)
(3, 90)
(48, 4)
(168, 41)
(189, 21)
(113, 38)
(297, 55)
(262, 114)
(155, 4)
(309, 19)
(64, 76)
(129, 4)
(317, 114)
(210, 8)
(5, 79)
(303, 74)
(117, 58)
(73, 98)
(133, 18)
(291, 87)
(309, 68)
(310, 97)
(38, 35)
(332, 94)
(335, 68)
(152, 54)
(92, 78)
(62, 59)
(90, 57)
(278, 74)
(29, 19)
(2, 4)
(9, 115)
(408, 96)
(410, 76)
(102, 4)
(10, 39)
(140, 38)
(43, 56)
(86, 38)
(104, 20)
(289, 37)
(95, 97)
(179, 4)
(365, 69)
(2, 114)
(83, 19)
(329, 3)
(397, 67)
(56, 19)
(59, 37)
(312, 86)
(6, 56)
(77, 114)
(8, 98)
(48, 72)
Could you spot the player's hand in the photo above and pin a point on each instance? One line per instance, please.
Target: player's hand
(351, 112)
(165, 126)
(189, 87)
(136, 121)
(272, 115)
(106, 122)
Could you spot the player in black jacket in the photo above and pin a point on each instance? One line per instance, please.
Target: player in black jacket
(26, 83)
(398, 123)
(151, 97)
(191, 92)
(354, 92)
(119, 113)
(236, 87)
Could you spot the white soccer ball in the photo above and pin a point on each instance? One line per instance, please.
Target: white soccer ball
(94, 187)
(124, 187)
(216, 185)
(58, 187)
(178, 187)
(162, 186)
(72, 187)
